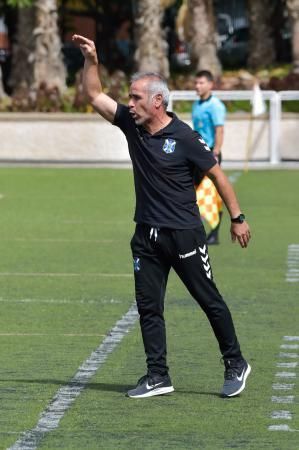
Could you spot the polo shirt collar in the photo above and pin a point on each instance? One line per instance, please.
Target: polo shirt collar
(169, 127)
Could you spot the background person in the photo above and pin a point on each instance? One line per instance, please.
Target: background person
(169, 233)
(208, 116)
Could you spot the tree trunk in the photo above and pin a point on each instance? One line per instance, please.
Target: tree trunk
(202, 35)
(262, 45)
(4, 45)
(151, 53)
(293, 8)
(37, 57)
(2, 92)
(23, 51)
(48, 64)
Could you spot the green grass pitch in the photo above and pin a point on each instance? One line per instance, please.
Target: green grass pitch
(61, 231)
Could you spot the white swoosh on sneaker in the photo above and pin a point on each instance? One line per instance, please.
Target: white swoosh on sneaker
(153, 386)
(240, 378)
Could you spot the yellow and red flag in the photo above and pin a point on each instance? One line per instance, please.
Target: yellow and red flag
(209, 202)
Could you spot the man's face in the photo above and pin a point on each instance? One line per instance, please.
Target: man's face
(203, 86)
(141, 105)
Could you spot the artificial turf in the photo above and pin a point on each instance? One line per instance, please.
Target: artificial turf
(66, 278)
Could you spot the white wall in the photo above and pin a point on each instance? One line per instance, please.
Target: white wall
(87, 137)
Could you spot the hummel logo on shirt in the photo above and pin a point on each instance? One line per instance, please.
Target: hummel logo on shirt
(204, 144)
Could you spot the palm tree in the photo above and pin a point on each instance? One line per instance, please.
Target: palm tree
(262, 47)
(2, 92)
(2, 30)
(23, 50)
(201, 34)
(151, 53)
(37, 57)
(293, 8)
(49, 66)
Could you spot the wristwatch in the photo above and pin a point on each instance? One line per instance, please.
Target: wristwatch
(239, 219)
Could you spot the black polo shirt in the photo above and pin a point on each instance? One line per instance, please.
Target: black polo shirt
(163, 165)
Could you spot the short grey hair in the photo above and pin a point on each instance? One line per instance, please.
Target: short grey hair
(157, 85)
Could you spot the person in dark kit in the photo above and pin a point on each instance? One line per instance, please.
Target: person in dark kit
(169, 232)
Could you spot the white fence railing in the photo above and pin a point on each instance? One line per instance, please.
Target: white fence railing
(275, 103)
(273, 137)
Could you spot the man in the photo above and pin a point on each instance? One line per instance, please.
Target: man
(208, 115)
(169, 233)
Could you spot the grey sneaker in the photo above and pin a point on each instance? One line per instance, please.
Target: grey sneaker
(149, 386)
(235, 375)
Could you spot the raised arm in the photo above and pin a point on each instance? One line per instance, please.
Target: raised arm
(239, 231)
(101, 102)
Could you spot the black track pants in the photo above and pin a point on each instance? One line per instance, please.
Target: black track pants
(154, 253)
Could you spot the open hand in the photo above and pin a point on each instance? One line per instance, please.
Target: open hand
(240, 232)
(87, 47)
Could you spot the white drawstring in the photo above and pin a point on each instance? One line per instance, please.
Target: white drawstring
(154, 231)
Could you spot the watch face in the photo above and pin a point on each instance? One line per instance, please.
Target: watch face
(239, 219)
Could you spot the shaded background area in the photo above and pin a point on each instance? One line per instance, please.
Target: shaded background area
(115, 27)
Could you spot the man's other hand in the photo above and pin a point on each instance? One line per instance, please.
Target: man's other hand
(240, 232)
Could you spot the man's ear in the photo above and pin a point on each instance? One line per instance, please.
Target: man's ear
(158, 100)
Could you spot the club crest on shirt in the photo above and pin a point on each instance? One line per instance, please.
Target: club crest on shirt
(169, 145)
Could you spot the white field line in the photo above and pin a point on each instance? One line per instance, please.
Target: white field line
(66, 395)
(292, 275)
(61, 240)
(286, 375)
(88, 222)
(284, 399)
(280, 428)
(290, 346)
(100, 222)
(60, 301)
(282, 386)
(288, 355)
(51, 334)
(281, 415)
(67, 274)
(287, 365)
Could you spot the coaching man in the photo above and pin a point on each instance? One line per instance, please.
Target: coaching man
(169, 232)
